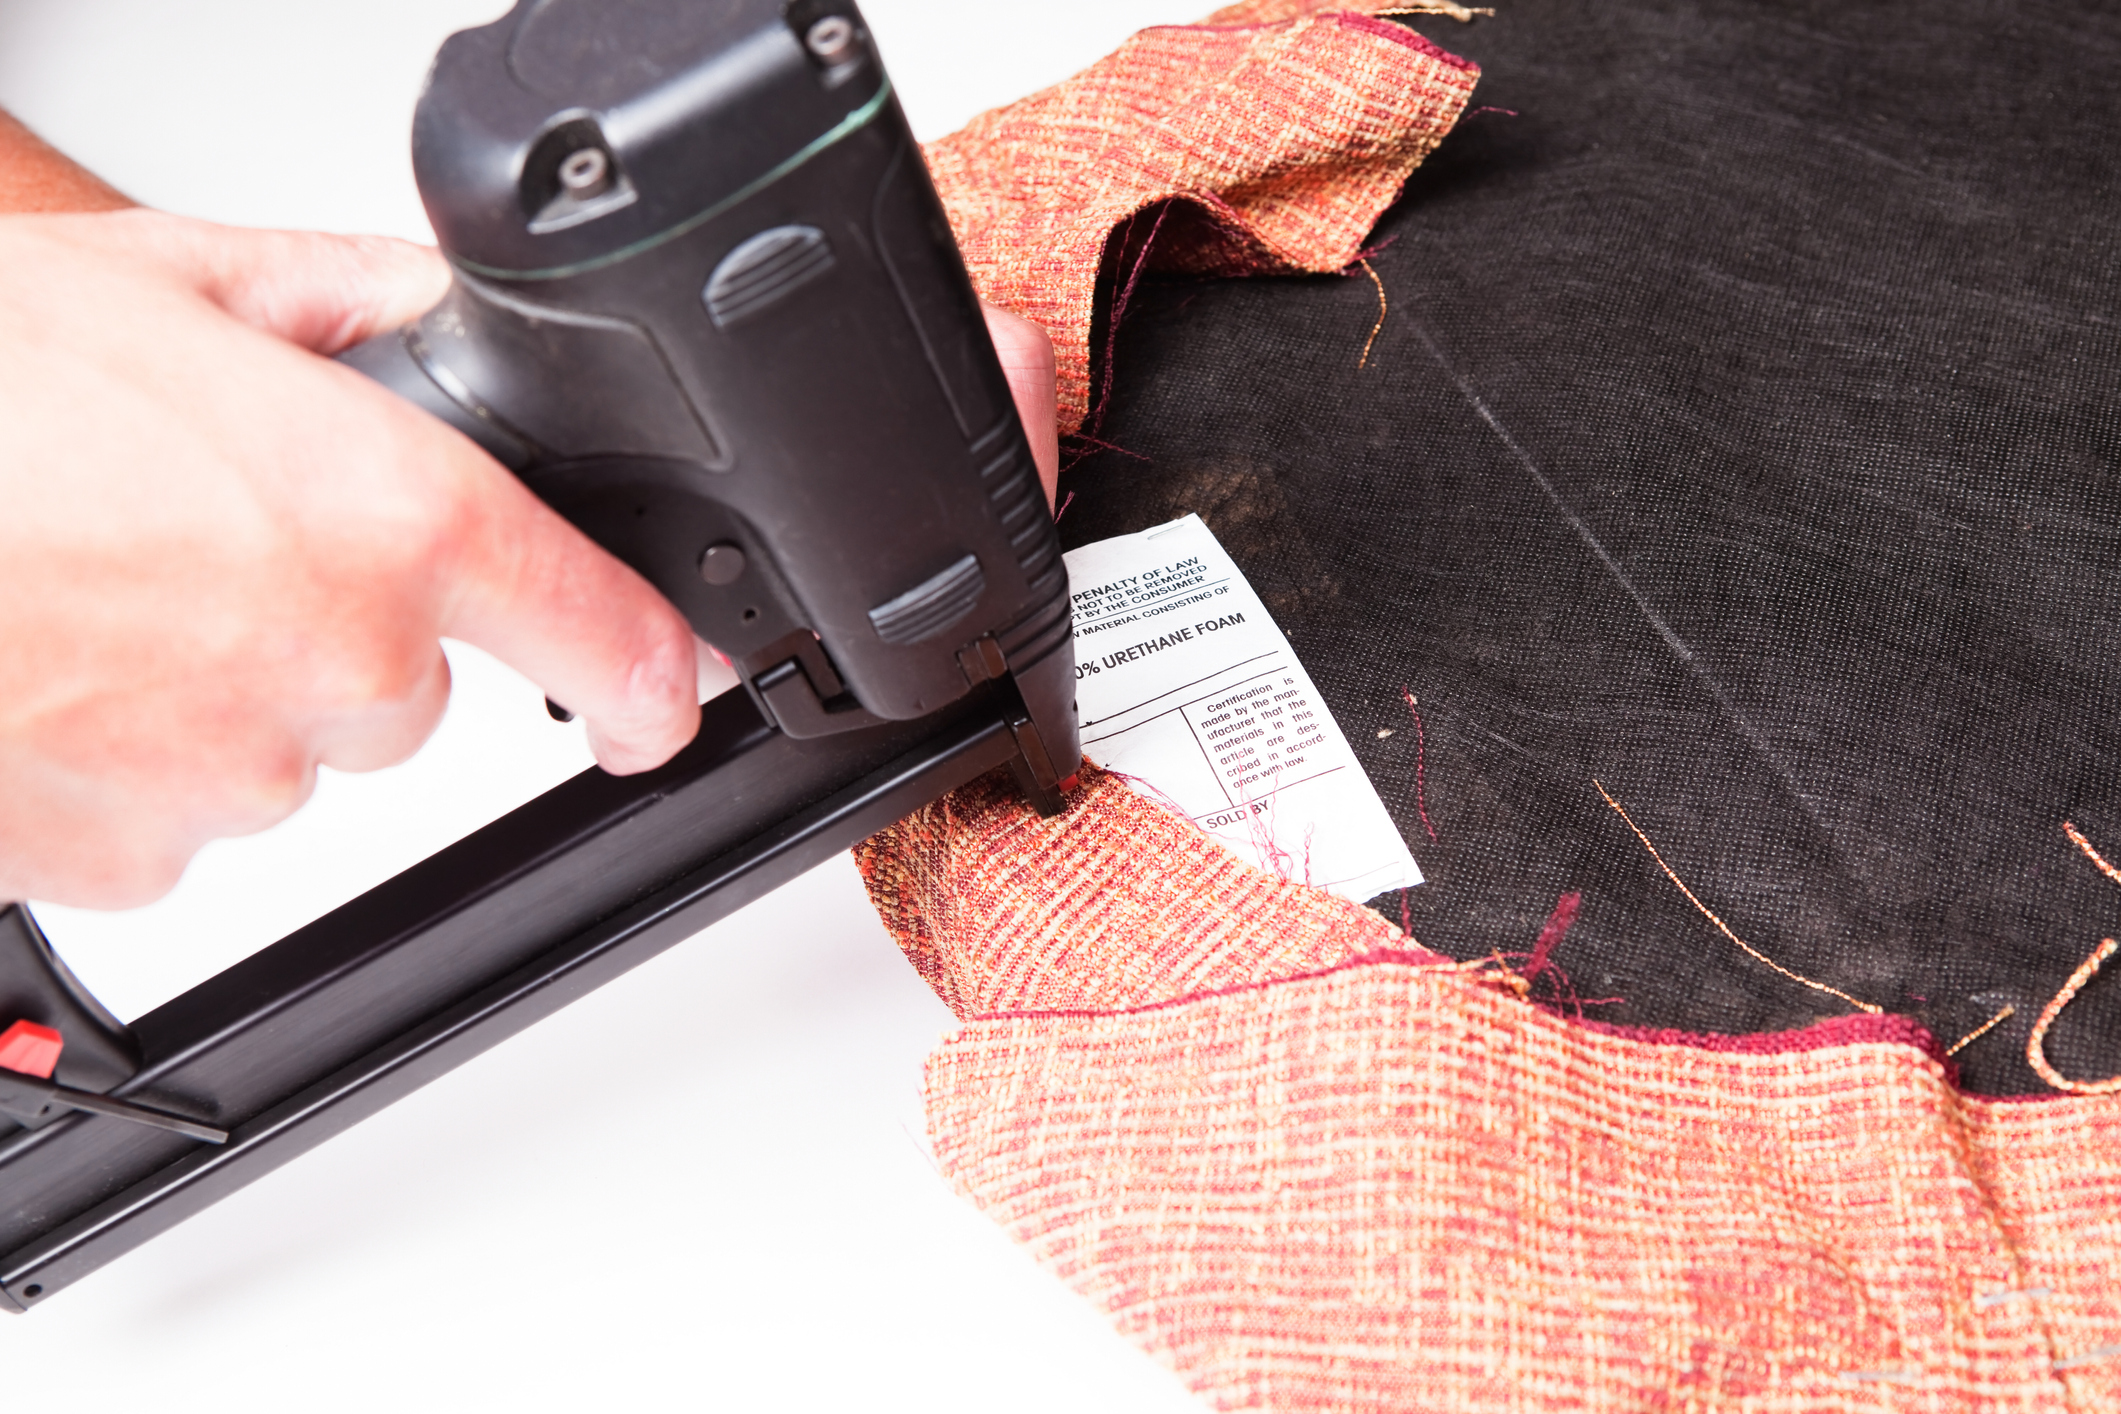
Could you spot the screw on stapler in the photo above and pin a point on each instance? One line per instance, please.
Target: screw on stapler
(707, 306)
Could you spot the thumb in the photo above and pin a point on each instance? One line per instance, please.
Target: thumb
(323, 292)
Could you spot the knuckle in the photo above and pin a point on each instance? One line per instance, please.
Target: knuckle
(380, 671)
(273, 787)
(658, 711)
(666, 672)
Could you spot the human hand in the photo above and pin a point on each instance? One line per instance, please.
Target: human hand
(231, 560)
(1026, 355)
(234, 559)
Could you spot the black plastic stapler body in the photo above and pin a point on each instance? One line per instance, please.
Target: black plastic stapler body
(707, 306)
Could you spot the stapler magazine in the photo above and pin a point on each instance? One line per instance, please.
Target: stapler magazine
(707, 306)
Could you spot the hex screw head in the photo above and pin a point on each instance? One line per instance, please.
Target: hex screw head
(585, 172)
(831, 40)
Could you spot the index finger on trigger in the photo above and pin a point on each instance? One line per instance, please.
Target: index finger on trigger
(531, 589)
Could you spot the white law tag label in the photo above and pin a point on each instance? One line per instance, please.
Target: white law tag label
(1187, 688)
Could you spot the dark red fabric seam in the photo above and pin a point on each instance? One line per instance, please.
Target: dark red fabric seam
(1821, 1035)
(1834, 1031)
(1400, 34)
(1395, 955)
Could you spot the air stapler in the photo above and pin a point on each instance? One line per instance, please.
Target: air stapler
(708, 307)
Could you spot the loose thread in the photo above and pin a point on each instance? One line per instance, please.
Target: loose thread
(1421, 763)
(1558, 924)
(1068, 501)
(1722, 927)
(1119, 307)
(1509, 976)
(1383, 307)
(1099, 445)
(1520, 981)
(1982, 1030)
(1154, 792)
(2089, 853)
(1540, 963)
(2036, 1043)
(1374, 250)
(1462, 13)
(1273, 855)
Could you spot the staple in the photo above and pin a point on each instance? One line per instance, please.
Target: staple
(1882, 1377)
(1979, 1031)
(1984, 1300)
(1721, 926)
(2097, 1355)
(1421, 762)
(1119, 307)
(1383, 307)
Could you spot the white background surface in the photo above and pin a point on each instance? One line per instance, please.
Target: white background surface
(703, 1187)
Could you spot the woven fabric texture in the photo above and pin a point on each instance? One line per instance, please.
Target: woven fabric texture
(1742, 437)
(1286, 138)
(1300, 1158)
(1062, 923)
(1385, 1181)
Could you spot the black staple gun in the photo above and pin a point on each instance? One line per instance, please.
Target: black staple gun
(707, 306)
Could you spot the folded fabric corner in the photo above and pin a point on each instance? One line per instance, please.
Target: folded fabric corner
(1285, 133)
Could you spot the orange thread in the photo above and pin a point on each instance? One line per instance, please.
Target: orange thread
(1382, 309)
(2035, 1052)
(2092, 854)
(1460, 13)
(1982, 1030)
(2036, 1043)
(1724, 928)
(1505, 974)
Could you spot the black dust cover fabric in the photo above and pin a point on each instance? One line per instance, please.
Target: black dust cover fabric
(1741, 434)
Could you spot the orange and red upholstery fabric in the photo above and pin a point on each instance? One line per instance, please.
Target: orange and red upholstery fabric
(1310, 1164)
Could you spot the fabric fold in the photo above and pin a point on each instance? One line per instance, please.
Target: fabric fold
(1309, 1164)
(1286, 138)
(1312, 1166)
